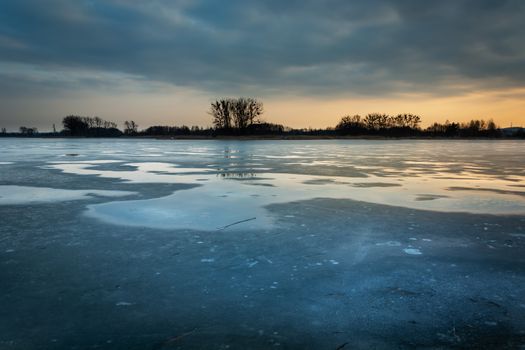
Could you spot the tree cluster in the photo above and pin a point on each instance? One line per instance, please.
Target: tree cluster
(235, 113)
(25, 131)
(376, 123)
(89, 126)
(474, 128)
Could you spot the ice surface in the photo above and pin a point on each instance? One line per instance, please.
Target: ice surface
(352, 239)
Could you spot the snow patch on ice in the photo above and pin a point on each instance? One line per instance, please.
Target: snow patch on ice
(98, 161)
(123, 303)
(10, 195)
(412, 251)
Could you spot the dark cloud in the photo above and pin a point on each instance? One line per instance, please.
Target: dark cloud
(270, 47)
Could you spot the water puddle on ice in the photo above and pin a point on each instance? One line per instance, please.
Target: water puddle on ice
(231, 198)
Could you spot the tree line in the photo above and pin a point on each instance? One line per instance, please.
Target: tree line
(379, 124)
(243, 116)
(476, 127)
(409, 125)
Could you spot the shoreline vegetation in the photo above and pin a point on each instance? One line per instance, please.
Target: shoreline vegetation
(240, 118)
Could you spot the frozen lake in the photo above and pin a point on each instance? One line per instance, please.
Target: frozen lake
(332, 244)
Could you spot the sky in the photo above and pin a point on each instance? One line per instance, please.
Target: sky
(311, 62)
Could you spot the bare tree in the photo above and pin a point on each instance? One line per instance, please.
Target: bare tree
(491, 126)
(350, 122)
(97, 122)
(239, 113)
(130, 127)
(221, 112)
(374, 121)
(255, 110)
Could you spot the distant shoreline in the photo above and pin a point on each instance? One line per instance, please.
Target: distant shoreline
(247, 127)
(324, 137)
(267, 137)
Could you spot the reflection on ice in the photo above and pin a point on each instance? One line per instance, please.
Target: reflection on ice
(218, 201)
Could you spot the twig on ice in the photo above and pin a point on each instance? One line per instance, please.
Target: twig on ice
(235, 223)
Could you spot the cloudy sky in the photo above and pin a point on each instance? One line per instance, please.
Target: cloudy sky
(162, 62)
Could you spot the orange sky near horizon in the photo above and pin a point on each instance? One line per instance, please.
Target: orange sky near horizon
(189, 107)
(505, 108)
